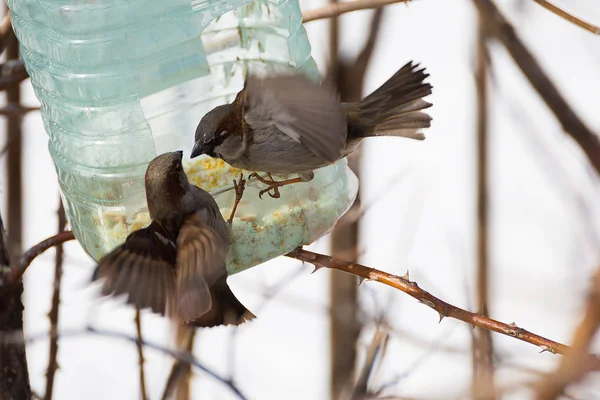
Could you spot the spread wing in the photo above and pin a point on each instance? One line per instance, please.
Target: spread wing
(303, 110)
(143, 268)
(201, 262)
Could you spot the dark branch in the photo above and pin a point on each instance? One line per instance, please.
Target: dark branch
(571, 123)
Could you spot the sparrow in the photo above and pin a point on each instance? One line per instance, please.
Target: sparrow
(289, 124)
(176, 265)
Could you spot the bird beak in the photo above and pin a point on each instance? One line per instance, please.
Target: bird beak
(198, 149)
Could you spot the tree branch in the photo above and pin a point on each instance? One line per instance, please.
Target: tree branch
(571, 123)
(140, 349)
(569, 17)
(483, 349)
(27, 258)
(14, 374)
(186, 357)
(576, 362)
(443, 308)
(53, 315)
(336, 9)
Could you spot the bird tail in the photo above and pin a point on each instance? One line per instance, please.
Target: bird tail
(395, 109)
(226, 309)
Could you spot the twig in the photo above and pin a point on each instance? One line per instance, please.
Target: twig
(12, 72)
(483, 350)
(576, 363)
(380, 338)
(571, 123)
(6, 32)
(336, 9)
(569, 17)
(53, 315)
(26, 259)
(140, 349)
(186, 357)
(178, 382)
(443, 308)
(14, 375)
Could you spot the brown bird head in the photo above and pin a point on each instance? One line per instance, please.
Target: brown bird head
(166, 181)
(212, 130)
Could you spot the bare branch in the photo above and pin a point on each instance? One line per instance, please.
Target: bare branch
(569, 17)
(140, 349)
(483, 350)
(12, 72)
(186, 357)
(6, 32)
(14, 374)
(336, 9)
(53, 315)
(571, 123)
(26, 259)
(576, 362)
(443, 308)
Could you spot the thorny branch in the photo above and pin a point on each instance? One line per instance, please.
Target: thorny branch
(569, 17)
(571, 123)
(443, 308)
(27, 258)
(336, 9)
(53, 315)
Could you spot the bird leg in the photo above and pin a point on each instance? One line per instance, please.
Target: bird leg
(239, 188)
(275, 185)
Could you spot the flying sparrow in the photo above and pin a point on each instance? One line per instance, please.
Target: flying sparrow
(288, 124)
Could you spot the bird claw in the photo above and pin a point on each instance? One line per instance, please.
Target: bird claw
(273, 185)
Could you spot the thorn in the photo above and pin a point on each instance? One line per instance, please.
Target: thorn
(547, 349)
(442, 316)
(513, 325)
(361, 280)
(317, 267)
(405, 276)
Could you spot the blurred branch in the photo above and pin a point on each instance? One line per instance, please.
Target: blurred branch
(6, 32)
(186, 357)
(12, 72)
(376, 347)
(483, 350)
(140, 349)
(571, 123)
(569, 17)
(27, 258)
(348, 76)
(53, 315)
(576, 362)
(443, 308)
(14, 374)
(178, 383)
(336, 9)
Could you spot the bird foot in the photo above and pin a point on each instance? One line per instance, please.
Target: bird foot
(239, 187)
(274, 185)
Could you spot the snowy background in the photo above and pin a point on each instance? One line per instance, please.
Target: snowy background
(544, 219)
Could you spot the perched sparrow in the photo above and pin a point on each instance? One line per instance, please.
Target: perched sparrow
(290, 125)
(176, 266)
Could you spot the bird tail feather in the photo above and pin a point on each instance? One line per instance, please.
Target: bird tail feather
(396, 107)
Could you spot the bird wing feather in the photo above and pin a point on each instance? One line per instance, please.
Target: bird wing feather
(300, 108)
(201, 262)
(143, 268)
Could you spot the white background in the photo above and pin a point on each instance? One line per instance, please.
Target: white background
(544, 238)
